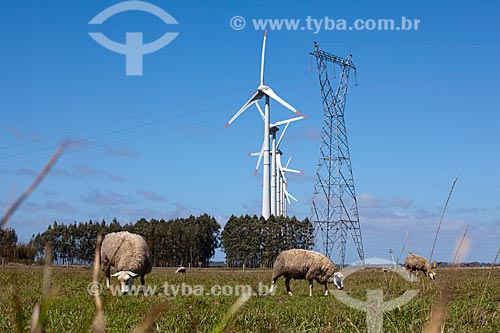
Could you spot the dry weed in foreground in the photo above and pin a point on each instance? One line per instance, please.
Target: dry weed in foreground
(441, 219)
(438, 310)
(35, 183)
(146, 325)
(39, 316)
(99, 324)
(231, 312)
(486, 284)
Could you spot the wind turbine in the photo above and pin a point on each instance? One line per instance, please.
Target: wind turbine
(278, 179)
(264, 90)
(285, 196)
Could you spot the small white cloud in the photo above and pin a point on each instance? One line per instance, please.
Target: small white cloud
(150, 195)
(366, 200)
(401, 202)
(61, 207)
(107, 199)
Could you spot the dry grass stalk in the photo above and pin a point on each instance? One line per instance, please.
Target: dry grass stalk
(487, 283)
(99, 324)
(352, 324)
(39, 316)
(17, 305)
(231, 312)
(35, 184)
(438, 310)
(462, 249)
(441, 219)
(146, 325)
(437, 320)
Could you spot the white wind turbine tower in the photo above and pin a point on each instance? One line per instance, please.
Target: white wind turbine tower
(266, 91)
(279, 193)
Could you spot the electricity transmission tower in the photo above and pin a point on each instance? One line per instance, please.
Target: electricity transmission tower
(334, 205)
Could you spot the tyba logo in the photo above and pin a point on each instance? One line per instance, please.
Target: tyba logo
(134, 48)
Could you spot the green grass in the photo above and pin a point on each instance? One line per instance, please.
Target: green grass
(72, 309)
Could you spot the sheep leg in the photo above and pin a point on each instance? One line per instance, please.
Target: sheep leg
(108, 275)
(106, 269)
(287, 285)
(271, 290)
(275, 278)
(410, 275)
(326, 289)
(143, 287)
(310, 288)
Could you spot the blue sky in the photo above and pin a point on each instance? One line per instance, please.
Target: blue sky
(154, 146)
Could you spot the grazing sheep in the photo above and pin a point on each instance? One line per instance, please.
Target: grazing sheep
(415, 263)
(306, 264)
(181, 269)
(130, 256)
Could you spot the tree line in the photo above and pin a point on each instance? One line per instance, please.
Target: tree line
(250, 241)
(182, 241)
(256, 242)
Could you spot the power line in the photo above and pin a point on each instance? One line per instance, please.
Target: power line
(139, 136)
(139, 126)
(116, 141)
(142, 114)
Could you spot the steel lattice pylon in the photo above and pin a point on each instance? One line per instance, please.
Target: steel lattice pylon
(334, 205)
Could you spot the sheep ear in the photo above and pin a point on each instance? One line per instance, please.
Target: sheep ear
(116, 274)
(132, 274)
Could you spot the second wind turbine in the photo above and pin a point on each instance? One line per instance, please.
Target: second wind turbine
(266, 91)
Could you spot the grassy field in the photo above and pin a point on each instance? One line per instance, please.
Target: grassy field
(470, 300)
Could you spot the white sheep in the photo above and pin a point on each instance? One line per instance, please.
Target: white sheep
(416, 263)
(130, 256)
(306, 264)
(181, 269)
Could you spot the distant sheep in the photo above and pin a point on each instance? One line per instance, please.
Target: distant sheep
(416, 263)
(181, 269)
(305, 264)
(130, 256)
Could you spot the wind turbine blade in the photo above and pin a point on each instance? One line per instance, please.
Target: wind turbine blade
(262, 58)
(260, 110)
(269, 92)
(252, 99)
(260, 154)
(260, 158)
(279, 123)
(292, 170)
(288, 195)
(288, 163)
(281, 170)
(281, 136)
(287, 199)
